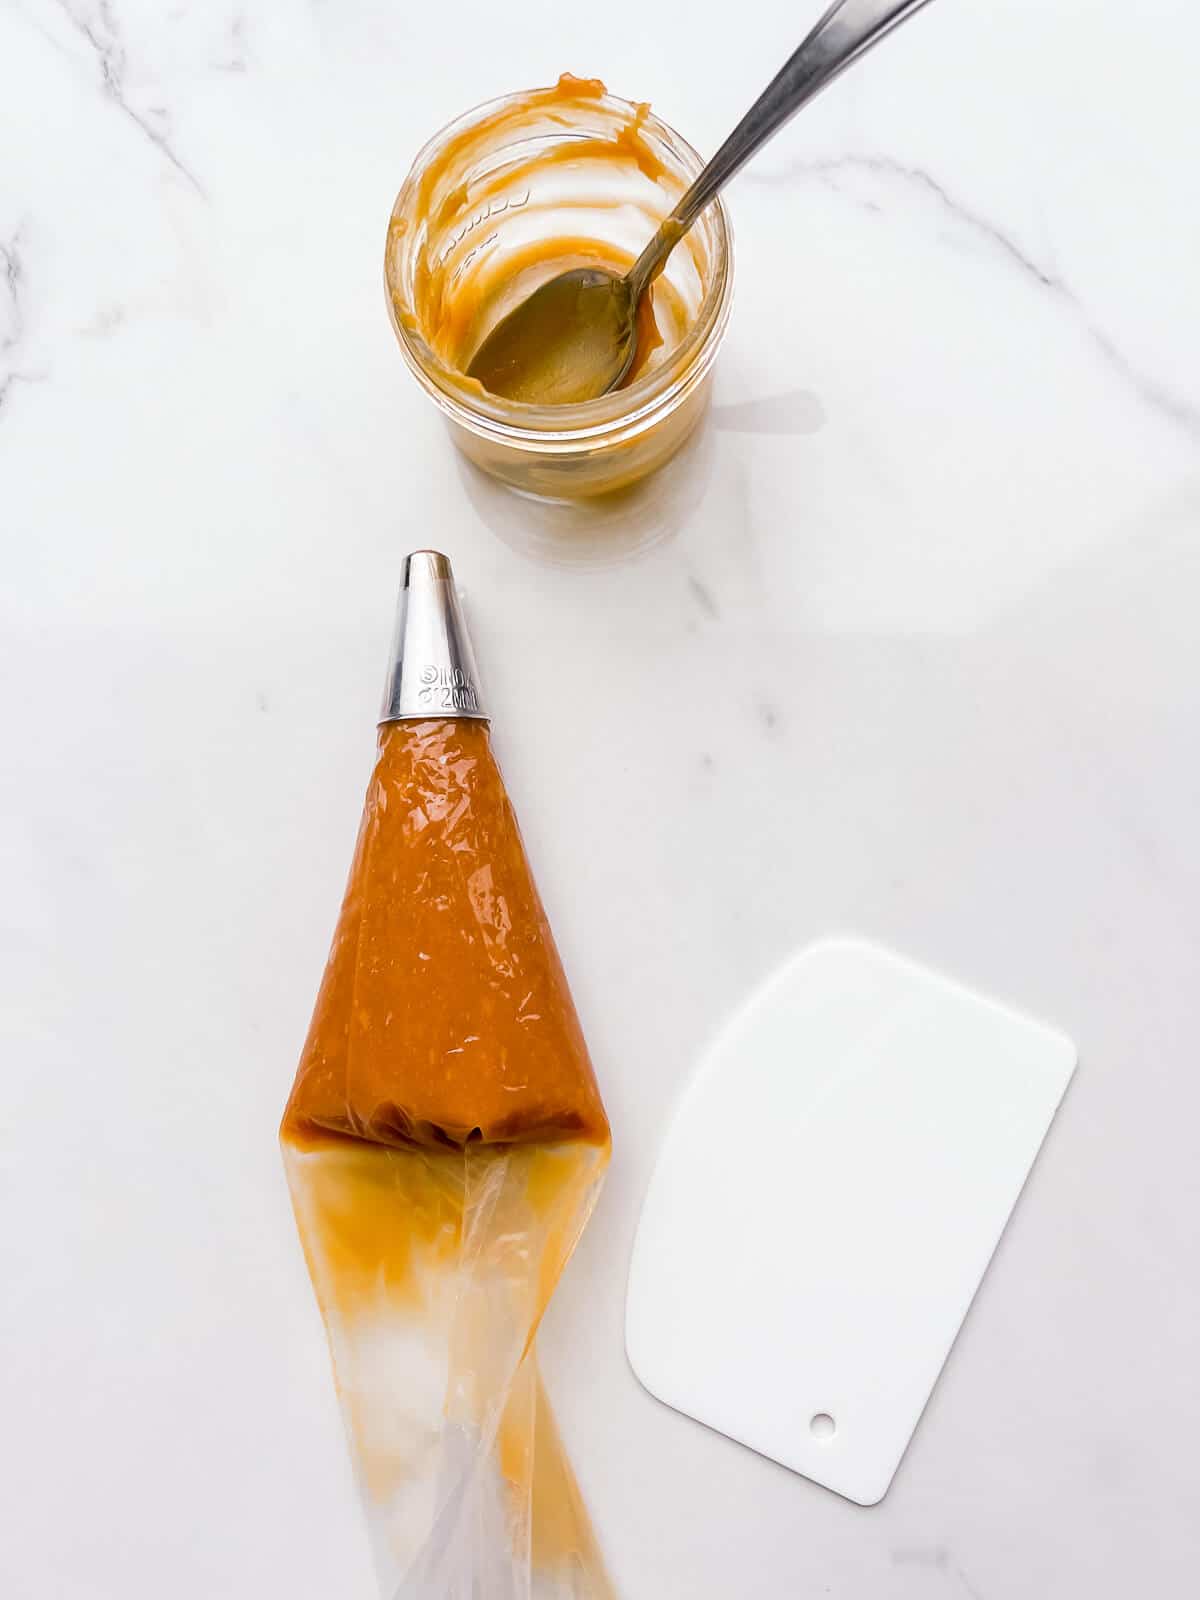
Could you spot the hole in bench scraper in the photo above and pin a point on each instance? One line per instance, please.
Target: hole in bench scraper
(822, 1426)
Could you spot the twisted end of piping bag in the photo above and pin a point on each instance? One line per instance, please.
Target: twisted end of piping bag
(431, 670)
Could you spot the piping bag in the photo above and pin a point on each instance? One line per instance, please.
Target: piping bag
(444, 1143)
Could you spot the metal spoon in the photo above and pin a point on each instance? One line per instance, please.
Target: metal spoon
(575, 337)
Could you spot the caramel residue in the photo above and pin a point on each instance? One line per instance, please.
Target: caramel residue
(649, 338)
(533, 1460)
(569, 87)
(631, 142)
(379, 1219)
(458, 296)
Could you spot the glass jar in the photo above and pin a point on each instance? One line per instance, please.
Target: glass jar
(595, 175)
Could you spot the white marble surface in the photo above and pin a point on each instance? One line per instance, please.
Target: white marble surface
(912, 651)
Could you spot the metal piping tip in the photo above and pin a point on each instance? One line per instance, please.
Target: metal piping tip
(432, 671)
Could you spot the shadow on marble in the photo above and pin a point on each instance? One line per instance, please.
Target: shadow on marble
(796, 411)
(606, 530)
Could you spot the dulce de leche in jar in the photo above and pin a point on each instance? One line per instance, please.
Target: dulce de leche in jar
(514, 193)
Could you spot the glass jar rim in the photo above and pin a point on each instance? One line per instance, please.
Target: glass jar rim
(625, 412)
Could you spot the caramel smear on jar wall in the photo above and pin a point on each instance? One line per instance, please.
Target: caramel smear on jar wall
(540, 201)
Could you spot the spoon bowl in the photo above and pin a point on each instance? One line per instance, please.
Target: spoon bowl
(574, 338)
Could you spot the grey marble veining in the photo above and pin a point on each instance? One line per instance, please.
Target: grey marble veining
(903, 644)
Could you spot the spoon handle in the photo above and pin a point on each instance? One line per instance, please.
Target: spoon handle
(847, 30)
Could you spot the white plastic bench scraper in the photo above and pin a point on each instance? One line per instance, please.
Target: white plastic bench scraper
(825, 1205)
